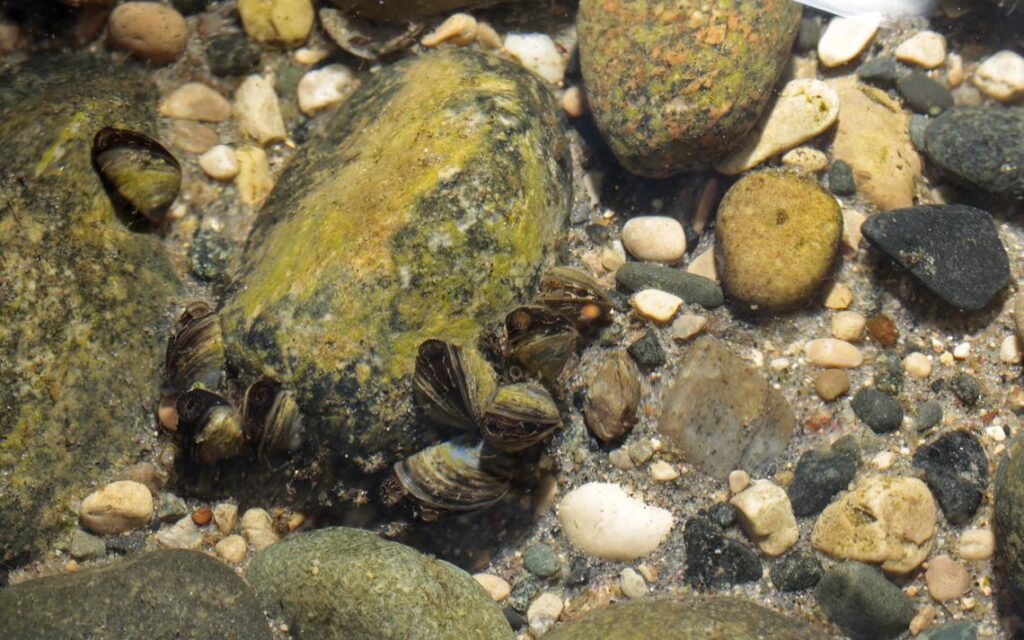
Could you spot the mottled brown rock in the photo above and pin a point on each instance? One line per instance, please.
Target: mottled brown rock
(613, 396)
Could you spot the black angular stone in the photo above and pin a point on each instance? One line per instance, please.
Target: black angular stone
(924, 94)
(821, 474)
(647, 352)
(929, 414)
(840, 179)
(956, 470)
(232, 54)
(714, 560)
(883, 71)
(953, 250)
(982, 147)
(878, 410)
(797, 571)
(966, 388)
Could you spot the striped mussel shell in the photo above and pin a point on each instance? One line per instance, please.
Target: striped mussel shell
(195, 350)
(576, 296)
(452, 384)
(141, 176)
(273, 422)
(541, 340)
(520, 416)
(211, 426)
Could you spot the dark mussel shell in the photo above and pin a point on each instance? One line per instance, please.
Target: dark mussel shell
(142, 177)
(575, 295)
(452, 384)
(541, 341)
(195, 350)
(463, 474)
(273, 423)
(520, 416)
(211, 425)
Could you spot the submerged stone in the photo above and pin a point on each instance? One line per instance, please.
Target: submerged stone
(83, 313)
(1009, 522)
(425, 210)
(982, 147)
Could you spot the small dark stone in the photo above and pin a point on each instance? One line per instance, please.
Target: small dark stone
(923, 94)
(515, 619)
(523, 592)
(541, 560)
(966, 389)
(878, 410)
(190, 7)
(634, 276)
(952, 250)
(692, 238)
(918, 128)
(210, 254)
(127, 543)
(286, 79)
(232, 54)
(962, 630)
(171, 509)
(888, 373)
(797, 571)
(647, 351)
(598, 233)
(722, 514)
(714, 560)
(863, 603)
(883, 330)
(821, 474)
(929, 414)
(956, 470)
(938, 385)
(840, 179)
(982, 147)
(883, 71)
(579, 573)
(85, 546)
(809, 34)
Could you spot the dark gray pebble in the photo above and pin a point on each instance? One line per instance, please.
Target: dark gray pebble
(85, 546)
(809, 34)
(918, 129)
(231, 54)
(541, 560)
(889, 373)
(647, 351)
(715, 560)
(821, 474)
(722, 514)
(523, 592)
(840, 179)
(966, 388)
(956, 471)
(878, 410)
(863, 603)
(634, 276)
(210, 255)
(929, 414)
(923, 94)
(962, 630)
(883, 71)
(798, 571)
(982, 147)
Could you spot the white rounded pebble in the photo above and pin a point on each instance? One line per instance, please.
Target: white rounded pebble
(543, 613)
(655, 305)
(995, 432)
(926, 49)
(258, 528)
(118, 507)
(848, 326)
(830, 352)
(324, 87)
(1001, 76)
(687, 326)
(496, 586)
(632, 584)
(803, 110)
(845, 38)
(738, 481)
(655, 239)
(219, 162)
(962, 351)
(183, 534)
(257, 110)
(225, 517)
(662, 471)
(883, 460)
(976, 544)
(917, 365)
(196, 101)
(1009, 350)
(839, 296)
(538, 53)
(232, 548)
(601, 520)
(254, 181)
(458, 29)
(766, 516)
(806, 158)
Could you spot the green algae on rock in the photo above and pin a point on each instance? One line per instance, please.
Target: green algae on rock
(777, 239)
(162, 595)
(1009, 522)
(84, 305)
(707, 618)
(677, 85)
(364, 587)
(425, 210)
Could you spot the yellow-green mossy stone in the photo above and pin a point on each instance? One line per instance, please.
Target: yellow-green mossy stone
(84, 301)
(675, 85)
(777, 238)
(425, 209)
(707, 618)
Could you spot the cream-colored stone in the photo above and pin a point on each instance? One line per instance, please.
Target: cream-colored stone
(654, 239)
(917, 365)
(962, 351)
(954, 70)
(282, 21)
(183, 534)
(487, 37)
(458, 29)
(803, 110)
(738, 481)
(192, 137)
(232, 549)
(496, 586)
(257, 110)
(148, 30)
(844, 39)
(976, 544)
(254, 181)
(574, 102)
(922, 620)
(852, 222)
(806, 158)
(704, 265)
(219, 162)
(632, 584)
(613, 257)
(946, 579)
(830, 352)
(196, 101)
(538, 53)
(766, 516)
(848, 326)
(655, 305)
(1009, 350)
(883, 520)
(601, 520)
(258, 528)
(662, 471)
(118, 507)
(543, 613)
(688, 326)
(925, 49)
(1001, 76)
(838, 296)
(324, 87)
(225, 517)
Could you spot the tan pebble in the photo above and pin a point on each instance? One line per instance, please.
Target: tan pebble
(688, 326)
(806, 158)
(656, 306)
(71, 566)
(118, 507)
(192, 137)
(308, 56)
(258, 528)
(225, 517)
(766, 516)
(232, 548)
(925, 49)
(196, 101)
(655, 239)
(1001, 76)
(947, 359)
(148, 474)
(458, 29)
(917, 365)
(706, 206)
(496, 586)
(253, 180)
(839, 296)
(704, 265)
(574, 102)
(632, 584)
(848, 326)
(219, 162)
(183, 534)
(883, 460)
(852, 222)
(833, 353)
(287, 22)
(620, 459)
(148, 30)
(738, 481)
(257, 110)
(649, 573)
(1009, 350)
(968, 603)
(954, 70)
(844, 39)
(543, 612)
(662, 471)
(976, 544)
(487, 36)
(962, 351)
(324, 87)
(946, 579)
(831, 383)
(922, 620)
(167, 413)
(9, 36)
(612, 259)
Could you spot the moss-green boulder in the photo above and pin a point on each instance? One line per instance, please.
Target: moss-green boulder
(1009, 522)
(351, 584)
(425, 209)
(163, 595)
(83, 301)
(777, 239)
(689, 619)
(677, 85)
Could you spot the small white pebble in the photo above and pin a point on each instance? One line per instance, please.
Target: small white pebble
(844, 39)
(324, 87)
(655, 239)
(1009, 350)
(738, 481)
(496, 586)
(538, 53)
(656, 306)
(225, 516)
(1001, 76)
(806, 158)
(962, 351)
(839, 296)
(219, 162)
(830, 352)
(633, 584)
(183, 534)
(883, 460)
(308, 56)
(602, 520)
(662, 471)
(458, 29)
(995, 432)
(118, 507)
(779, 364)
(946, 359)
(917, 365)
(925, 49)
(543, 612)
(848, 326)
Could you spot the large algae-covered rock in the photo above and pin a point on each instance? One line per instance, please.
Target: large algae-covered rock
(83, 300)
(695, 617)
(424, 210)
(676, 85)
(364, 588)
(163, 595)
(1009, 522)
